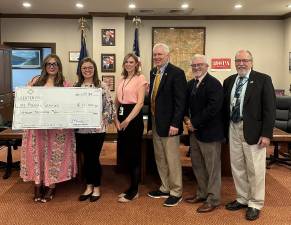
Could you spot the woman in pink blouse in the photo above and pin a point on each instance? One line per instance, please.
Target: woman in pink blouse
(48, 156)
(129, 102)
(90, 141)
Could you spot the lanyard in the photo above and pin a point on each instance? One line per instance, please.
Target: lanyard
(124, 86)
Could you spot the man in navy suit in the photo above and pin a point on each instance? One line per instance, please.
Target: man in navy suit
(249, 110)
(168, 96)
(205, 126)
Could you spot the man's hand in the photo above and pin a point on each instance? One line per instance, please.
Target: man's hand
(263, 142)
(173, 131)
(189, 126)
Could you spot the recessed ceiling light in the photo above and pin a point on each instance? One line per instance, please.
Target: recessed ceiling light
(79, 5)
(131, 6)
(289, 6)
(238, 6)
(185, 6)
(26, 4)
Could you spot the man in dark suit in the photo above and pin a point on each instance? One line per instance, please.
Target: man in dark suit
(168, 95)
(249, 109)
(205, 126)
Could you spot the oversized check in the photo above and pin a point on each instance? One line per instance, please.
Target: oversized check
(57, 107)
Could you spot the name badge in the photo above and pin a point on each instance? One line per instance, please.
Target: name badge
(121, 111)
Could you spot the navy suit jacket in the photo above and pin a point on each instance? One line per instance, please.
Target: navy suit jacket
(205, 109)
(259, 106)
(170, 100)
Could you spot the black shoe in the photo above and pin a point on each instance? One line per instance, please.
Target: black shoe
(94, 198)
(235, 205)
(85, 197)
(252, 213)
(158, 194)
(172, 201)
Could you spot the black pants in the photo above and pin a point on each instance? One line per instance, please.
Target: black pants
(90, 145)
(129, 144)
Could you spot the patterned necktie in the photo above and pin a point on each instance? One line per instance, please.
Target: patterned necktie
(194, 89)
(155, 91)
(235, 112)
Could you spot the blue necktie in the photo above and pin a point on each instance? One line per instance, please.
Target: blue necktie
(235, 112)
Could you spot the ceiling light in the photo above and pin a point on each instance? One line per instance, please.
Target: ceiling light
(26, 4)
(185, 6)
(238, 6)
(79, 5)
(289, 6)
(131, 5)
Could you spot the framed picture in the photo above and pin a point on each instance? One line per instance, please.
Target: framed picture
(289, 61)
(183, 42)
(108, 37)
(26, 58)
(74, 56)
(110, 81)
(108, 63)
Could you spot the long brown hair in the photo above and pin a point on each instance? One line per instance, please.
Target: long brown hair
(59, 78)
(96, 80)
(136, 69)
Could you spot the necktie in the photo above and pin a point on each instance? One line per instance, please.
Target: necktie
(235, 112)
(194, 89)
(155, 91)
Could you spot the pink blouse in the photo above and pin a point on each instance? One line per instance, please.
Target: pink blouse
(127, 89)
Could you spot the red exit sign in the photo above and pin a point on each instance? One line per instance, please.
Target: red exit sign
(221, 64)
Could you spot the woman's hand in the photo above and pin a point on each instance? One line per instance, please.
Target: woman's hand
(124, 124)
(117, 124)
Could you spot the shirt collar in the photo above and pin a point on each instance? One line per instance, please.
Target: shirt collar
(163, 68)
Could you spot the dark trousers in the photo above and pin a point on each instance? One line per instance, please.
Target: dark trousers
(129, 145)
(90, 145)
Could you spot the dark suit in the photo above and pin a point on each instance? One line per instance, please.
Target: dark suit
(205, 112)
(169, 111)
(170, 100)
(248, 159)
(258, 107)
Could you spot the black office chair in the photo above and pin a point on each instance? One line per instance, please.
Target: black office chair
(283, 122)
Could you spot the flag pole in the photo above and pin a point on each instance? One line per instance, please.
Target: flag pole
(83, 51)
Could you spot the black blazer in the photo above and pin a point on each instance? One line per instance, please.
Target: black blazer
(170, 100)
(259, 106)
(205, 109)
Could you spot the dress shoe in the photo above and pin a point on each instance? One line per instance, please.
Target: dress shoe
(235, 205)
(38, 192)
(85, 197)
(126, 198)
(94, 198)
(206, 207)
(194, 199)
(252, 213)
(49, 194)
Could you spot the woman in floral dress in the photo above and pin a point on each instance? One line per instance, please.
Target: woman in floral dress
(48, 156)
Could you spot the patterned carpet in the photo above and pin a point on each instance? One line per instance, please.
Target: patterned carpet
(17, 207)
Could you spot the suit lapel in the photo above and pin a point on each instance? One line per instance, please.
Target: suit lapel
(164, 78)
(231, 83)
(250, 87)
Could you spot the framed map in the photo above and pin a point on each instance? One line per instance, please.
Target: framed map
(184, 42)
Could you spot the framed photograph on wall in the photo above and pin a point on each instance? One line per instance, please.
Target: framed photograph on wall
(108, 63)
(109, 80)
(26, 58)
(74, 56)
(108, 37)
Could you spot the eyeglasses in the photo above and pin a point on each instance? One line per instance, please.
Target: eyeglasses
(242, 60)
(197, 65)
(87, 68)
(55, 64)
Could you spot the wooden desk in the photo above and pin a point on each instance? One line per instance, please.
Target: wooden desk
(280, 137)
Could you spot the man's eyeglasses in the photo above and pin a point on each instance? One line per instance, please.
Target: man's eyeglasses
(242, 60)
(55, 64)
(197, 65)
(87, 68)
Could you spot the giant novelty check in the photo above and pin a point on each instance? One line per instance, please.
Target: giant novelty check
(57, 108)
